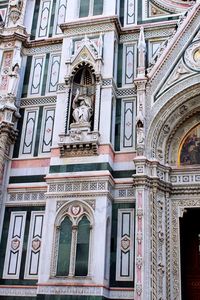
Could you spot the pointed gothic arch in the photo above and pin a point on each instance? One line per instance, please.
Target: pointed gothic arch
(74, 224)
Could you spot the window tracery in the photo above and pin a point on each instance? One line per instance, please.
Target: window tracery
(72, 254)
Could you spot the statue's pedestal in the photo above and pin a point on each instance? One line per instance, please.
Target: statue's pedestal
(80, 141)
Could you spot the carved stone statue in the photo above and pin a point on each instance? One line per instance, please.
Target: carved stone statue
(16, 3)
(140, 132)
(15, 10)
(13, 80)
(82, 108)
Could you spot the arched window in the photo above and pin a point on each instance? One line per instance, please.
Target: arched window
(82, 247)
(90, 8)
(73, 241)
(64, 247)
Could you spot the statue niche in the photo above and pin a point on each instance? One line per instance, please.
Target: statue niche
(83, 98)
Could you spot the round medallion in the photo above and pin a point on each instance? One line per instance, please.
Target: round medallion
(197, 56)
(192, 56)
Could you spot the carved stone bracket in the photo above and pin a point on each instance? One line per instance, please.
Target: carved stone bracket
(79, 142)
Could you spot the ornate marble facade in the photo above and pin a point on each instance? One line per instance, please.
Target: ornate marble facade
(99, 146)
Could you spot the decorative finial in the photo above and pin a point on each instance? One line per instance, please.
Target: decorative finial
(141, 54)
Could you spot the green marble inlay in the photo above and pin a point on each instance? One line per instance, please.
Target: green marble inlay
(52, 18)
(119, 65)
(118, 124)
(19, 128)
(38, 131)
(64, 247)
(80, 168)
(113, 256)
(21, 280)
(45, 75)
(35, 19)
(121, 13)
(26, 77)
(27, 179)
(91, 167)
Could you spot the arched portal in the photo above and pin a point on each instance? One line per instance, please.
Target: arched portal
(173, 155)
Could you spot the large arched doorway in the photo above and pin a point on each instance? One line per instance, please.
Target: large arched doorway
(190, 254)
(173, 141)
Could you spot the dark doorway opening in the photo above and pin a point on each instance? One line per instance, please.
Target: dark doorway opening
(190, 254)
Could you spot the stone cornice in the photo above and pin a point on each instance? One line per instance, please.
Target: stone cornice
(13, 37)
(93, 21)
(43, 42)
(151, 26)
(151, 182)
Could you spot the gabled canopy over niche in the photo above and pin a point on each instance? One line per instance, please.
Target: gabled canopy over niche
(189, 153)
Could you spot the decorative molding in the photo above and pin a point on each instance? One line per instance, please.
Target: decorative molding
(123, 92)
(120, 92)
(86, 27)
(91, 203)
(26, 197)
(42, 50)
(107, 82)
(124, 193)
(80, 142)
(85, 290)
(90, 29)
(174, 262)
(26, 102)
(185, 178)
(139, 247)
(81, 186)
(18, 291)
(160, 32)
(121, 294)
(173, 6)
(169, 117)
